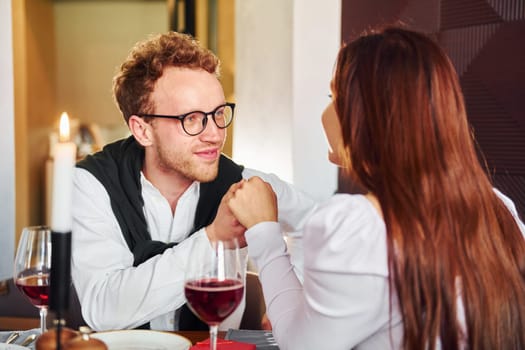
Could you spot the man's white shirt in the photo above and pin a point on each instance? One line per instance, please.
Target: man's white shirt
(116, 295)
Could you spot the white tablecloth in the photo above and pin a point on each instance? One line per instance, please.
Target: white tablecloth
(23, 335)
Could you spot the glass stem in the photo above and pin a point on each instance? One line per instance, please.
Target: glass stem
(43, 314)
(213, 337)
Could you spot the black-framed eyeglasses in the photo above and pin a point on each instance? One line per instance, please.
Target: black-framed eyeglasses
(193, 123)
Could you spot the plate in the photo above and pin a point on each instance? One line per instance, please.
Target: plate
(137, 339)
(4, 346)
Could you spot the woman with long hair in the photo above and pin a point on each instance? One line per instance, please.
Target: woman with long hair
(432, 256)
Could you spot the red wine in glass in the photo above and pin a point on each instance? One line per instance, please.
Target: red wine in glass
(212, 299)
(36, 288)
(32, 266)
(214, 281)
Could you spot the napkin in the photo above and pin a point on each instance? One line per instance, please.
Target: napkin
(223, 344)
(262, 339)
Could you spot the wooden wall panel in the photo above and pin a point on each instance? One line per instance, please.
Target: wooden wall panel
(463, 13)
(484, 39)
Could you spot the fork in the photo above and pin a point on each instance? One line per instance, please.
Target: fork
(29, 339)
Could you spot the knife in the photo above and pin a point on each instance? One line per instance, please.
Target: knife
(14, 336)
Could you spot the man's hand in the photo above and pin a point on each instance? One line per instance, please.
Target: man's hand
(253, 202)
(225, 225)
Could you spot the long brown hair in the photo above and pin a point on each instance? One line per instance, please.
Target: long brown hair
(449, 236)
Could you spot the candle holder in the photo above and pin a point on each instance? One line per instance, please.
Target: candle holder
(60, 278)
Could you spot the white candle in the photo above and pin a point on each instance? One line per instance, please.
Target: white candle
(64, 163)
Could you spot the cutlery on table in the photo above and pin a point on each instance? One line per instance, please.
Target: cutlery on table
(29, 339)
(12, 337)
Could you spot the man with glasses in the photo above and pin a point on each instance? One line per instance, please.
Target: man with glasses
(140, 203)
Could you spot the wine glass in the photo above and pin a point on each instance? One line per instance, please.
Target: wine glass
(214, 282)
(32, 268)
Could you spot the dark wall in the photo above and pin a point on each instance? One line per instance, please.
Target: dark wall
(486, 42)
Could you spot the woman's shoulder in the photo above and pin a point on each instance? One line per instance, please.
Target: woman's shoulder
(512, 208)
(356, 209)
(348, 229)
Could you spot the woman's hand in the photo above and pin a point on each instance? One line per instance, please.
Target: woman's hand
(253, 202)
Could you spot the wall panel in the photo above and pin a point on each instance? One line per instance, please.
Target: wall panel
(484, 39)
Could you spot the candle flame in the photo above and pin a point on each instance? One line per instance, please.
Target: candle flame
(64, 128)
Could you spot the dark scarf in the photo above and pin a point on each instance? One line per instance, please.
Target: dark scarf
(118, 168)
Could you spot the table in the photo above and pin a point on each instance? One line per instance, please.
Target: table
(262, 339)
(197, 336)
(192, 336)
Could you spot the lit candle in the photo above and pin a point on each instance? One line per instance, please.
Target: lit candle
(64, 162)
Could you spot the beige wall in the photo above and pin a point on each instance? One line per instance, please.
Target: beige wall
(285, 53)
(224, 35)
(93, 38)
(35, 103)
(65, 56)
(7, 144)
(226, 52)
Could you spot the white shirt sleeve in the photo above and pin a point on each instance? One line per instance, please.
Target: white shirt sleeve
(294, 209)
(295, 206)
(113, 293)
(344, 300)
(116, 295)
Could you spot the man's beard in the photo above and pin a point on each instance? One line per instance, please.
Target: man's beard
(187, 167)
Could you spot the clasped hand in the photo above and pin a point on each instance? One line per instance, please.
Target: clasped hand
(246, 204)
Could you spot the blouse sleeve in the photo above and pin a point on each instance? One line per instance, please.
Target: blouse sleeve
(512, 208)
(345, 295)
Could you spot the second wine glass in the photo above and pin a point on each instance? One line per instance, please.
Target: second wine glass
(32, 268)
(214, 282)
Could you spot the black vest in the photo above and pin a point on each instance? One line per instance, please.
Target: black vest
(118, 168)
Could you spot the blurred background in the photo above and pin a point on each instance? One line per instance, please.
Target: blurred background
(277, 60)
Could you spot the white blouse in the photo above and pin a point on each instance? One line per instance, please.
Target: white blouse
(344, 302)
